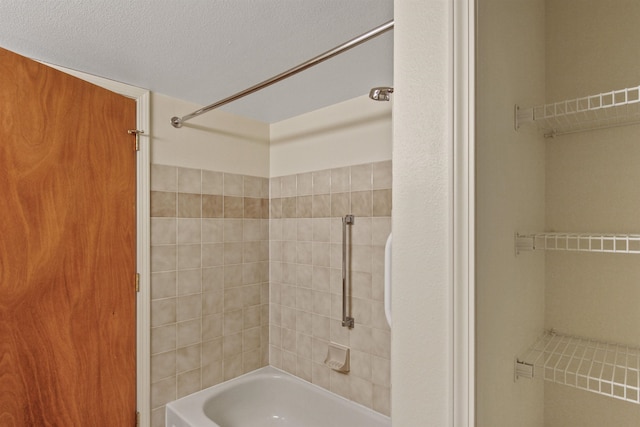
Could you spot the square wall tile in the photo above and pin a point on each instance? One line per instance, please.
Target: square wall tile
(163, 338)
(233, 207)
(382, 203)
(289, 186)
(189, 180)
(252, 187)
(189, 205)
(274, 188)
(163, 392)
(212, 206)
(163, 311)
(163, 258)
(164, 178)
(163, 285)
(163, 231)
(233, 230)
(189, 332)
(304, 184)
(321, 182)
(189, 307)
(211, 229)
(361, 203)
(212, 279)
(382, 399)
(212, 182)
(188, 358)
(189, 281)
(233, 185)
(163, 365)
(213, 254)
(361, 177)
(189, 256)
(212, 303)
(340, 204)
(289, 207)
(189, 230)
(321, 206)
(188, 382)
(252, 208)
(340, 180)
(163, 204)
(382, 175)
(304, 206)
(275, 208)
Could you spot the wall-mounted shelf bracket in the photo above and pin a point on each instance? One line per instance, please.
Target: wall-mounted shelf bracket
(522, 370)
(521, 115)
(524, 243)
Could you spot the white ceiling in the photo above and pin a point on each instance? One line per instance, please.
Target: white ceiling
(205, 50)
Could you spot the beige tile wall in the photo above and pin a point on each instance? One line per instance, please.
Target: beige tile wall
(209, 285)
(306, 278)
(213, 249)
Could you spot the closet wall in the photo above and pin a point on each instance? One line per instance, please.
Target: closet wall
(530, 53)
(592, 186)
(510, 197)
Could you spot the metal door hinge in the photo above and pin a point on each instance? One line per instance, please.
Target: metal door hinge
(137, 133)
(137, 280)
(137, 419)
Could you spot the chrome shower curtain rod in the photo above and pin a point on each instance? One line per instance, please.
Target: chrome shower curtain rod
(178, 121)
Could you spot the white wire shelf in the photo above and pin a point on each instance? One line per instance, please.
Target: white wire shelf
(578, 242)
(609, 109)
(608, 369)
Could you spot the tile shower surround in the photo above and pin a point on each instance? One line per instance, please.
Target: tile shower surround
(306, 278)
(215, 312)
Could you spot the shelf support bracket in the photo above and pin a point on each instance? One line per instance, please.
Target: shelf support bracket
(521, 116)
(522, 370)
(524, 243)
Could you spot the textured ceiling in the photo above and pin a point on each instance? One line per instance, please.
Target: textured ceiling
(205, 50)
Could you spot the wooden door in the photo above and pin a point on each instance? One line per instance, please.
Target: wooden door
(67, 250)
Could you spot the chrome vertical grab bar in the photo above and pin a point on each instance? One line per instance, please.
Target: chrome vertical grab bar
(347, 321)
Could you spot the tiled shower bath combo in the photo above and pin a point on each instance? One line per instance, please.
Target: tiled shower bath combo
(246, 272)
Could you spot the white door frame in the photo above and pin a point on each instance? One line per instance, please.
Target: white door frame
(464, 40)
(143, 237)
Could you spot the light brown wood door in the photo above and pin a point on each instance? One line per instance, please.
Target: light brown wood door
(67, 250)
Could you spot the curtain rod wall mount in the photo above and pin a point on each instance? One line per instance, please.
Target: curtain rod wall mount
(177, 122)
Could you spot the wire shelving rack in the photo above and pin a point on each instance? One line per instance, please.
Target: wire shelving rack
(604, 110)
(607, 369)
(578, 242)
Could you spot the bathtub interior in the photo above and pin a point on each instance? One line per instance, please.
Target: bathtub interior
(269, 397)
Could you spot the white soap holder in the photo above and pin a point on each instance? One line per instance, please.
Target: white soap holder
(338, 358)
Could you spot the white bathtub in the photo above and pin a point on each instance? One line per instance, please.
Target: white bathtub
(269, 397)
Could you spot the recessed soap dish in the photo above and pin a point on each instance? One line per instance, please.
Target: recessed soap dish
(338, 358)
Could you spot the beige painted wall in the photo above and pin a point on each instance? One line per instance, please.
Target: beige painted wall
(217, 140)
(352, 132)
(592, 186)
(510, 198)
